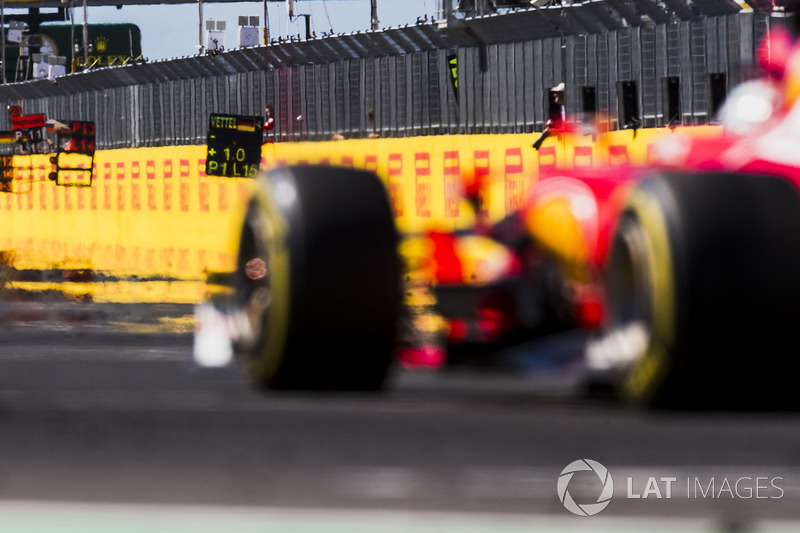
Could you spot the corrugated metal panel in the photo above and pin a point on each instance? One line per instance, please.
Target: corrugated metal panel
(299, 93)
(624, 55)
(416, 94)
(467, 87)
(675, 52)
(517, 70)
(403, 75)
(167, 113)
(496, 94)
(283, 118)
(592, 67)
(699, 71)
(613, 76)
(386, 97)
(559, 65)
(485, 98)
(756, 30)
(391, 71)
(153, 131)
(711, 45)
(529, 88)
(369, 90)
(732, 45)
(505, 96)
(311, 93)
(401, 67)
(572, 88)
(409, 96)
(548, 80)
(538, 83)
(661, 68)
(434, 100)
(648, 78)
(425, 93)
(338, 113)
(686, 73)
(356, 125)
(380, 120)
(180, 119)
(315, 105)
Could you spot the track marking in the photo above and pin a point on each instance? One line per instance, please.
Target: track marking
(46, 517)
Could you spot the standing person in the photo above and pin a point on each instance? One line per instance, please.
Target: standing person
(556, 115)
(269, 124)
(371, 119)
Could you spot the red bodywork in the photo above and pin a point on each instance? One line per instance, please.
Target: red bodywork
(571, 215)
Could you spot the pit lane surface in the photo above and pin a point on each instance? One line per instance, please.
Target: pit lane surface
(89, 414)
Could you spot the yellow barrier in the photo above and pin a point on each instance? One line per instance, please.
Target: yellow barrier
(423, 174)
(153, 213)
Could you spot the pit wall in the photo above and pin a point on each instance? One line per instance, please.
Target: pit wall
(156, 225)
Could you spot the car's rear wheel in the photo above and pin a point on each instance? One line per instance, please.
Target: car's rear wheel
(703, 285)
(318, 281)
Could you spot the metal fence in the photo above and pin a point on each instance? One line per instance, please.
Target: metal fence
(399, 82)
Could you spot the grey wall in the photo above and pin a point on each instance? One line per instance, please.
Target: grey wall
(329, 87)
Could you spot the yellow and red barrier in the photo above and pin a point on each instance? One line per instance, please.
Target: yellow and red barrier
(153, 213)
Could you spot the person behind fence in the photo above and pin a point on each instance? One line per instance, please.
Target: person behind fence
(269, 124)
(557, 118)
(373, 134)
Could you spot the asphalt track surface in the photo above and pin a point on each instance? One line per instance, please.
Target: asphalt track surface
(124, 423)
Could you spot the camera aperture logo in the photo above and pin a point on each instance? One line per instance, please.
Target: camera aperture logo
(588, 509)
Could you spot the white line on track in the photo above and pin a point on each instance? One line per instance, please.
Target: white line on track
(48, 517)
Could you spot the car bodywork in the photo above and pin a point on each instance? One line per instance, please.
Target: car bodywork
(568, 222)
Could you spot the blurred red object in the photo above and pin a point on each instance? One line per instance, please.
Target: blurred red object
(774, 51)
(420, 357)
(448, 265)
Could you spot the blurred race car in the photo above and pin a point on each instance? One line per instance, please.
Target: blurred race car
(696, 257)
(689, 269)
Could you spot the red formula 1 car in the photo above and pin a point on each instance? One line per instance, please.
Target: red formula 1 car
(689, 270)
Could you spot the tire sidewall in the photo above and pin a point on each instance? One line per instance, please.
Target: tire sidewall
(642, 381)
(271, 222)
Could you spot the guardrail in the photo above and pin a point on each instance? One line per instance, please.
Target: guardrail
(488, 75)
